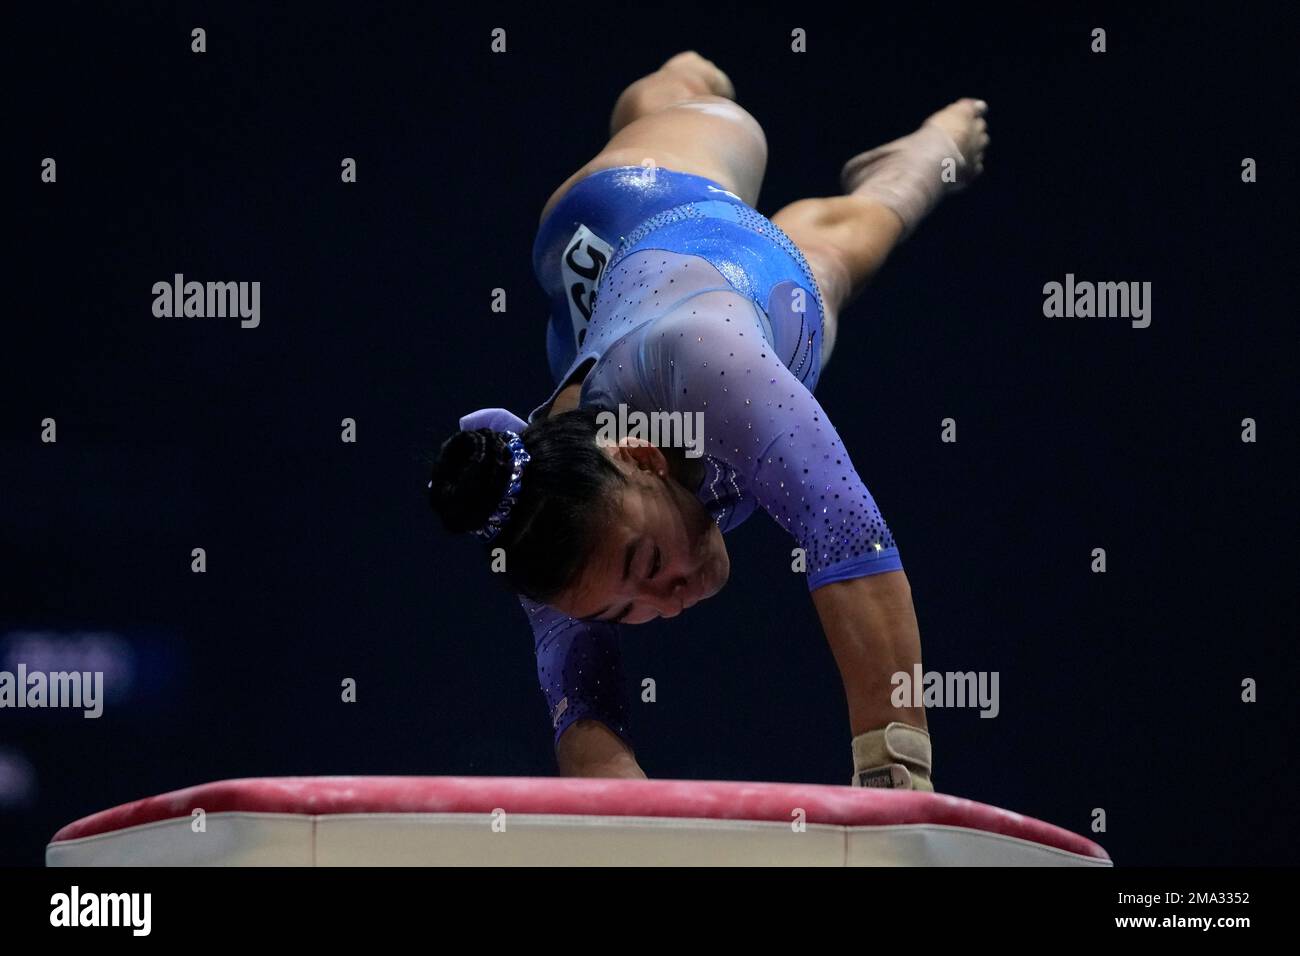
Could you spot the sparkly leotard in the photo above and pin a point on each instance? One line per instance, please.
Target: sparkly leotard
(708, 307)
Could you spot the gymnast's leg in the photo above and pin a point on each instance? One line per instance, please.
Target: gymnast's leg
(683, 117)
(680, 117)
(888, 190)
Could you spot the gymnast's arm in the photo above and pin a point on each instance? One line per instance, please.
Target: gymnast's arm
(801, 475)
(589, 748)
(580, 671)
(871, 627)
(855, 574)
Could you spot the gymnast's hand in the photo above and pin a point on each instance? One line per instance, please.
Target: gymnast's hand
(895, 757)
(590, 749)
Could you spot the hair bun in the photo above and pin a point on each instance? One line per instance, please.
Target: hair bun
(469, 478)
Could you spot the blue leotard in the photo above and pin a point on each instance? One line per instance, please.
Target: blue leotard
(700, 305)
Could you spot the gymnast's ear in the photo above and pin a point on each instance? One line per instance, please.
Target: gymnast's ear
(639, 454)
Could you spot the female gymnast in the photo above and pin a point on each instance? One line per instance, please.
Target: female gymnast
(670, 293)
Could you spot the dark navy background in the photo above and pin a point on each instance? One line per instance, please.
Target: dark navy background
(1119, 691)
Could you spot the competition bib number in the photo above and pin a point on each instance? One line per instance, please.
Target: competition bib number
(584, 260)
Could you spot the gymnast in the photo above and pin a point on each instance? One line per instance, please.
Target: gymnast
(670, 293)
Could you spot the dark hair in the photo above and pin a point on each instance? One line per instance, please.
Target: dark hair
(564, 497)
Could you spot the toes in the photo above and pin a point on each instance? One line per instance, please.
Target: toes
(724, 85)
(969, 105)
(686, 56)
(691, 63)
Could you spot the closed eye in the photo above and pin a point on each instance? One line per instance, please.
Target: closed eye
(657, 563)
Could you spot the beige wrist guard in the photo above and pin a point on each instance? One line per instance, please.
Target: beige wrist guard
(896, 757)
(909, 175)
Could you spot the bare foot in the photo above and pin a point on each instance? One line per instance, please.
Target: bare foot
(697, 67)
(964, 122)
(910, 175)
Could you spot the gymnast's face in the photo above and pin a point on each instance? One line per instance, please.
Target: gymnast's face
(659, 553)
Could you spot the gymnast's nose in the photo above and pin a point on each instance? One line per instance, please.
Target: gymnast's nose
(670, 600)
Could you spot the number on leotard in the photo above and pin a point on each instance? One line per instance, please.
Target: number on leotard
(583, 262)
